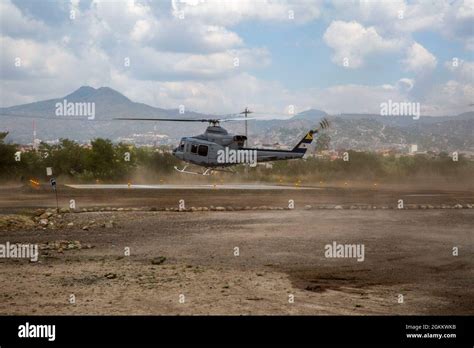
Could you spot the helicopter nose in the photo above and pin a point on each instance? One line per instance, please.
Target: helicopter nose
(177, 153)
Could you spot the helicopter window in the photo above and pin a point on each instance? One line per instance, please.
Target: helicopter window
(181, 145)
(202, 151)
(194, 148)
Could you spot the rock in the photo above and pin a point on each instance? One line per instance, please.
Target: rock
(39, 212)
(220, 209)
(469, 206)
(229, 209)
(43, 222)
(71, 224)
(308, 207)
(64, 210)
(109, 224)
(338, 207)
(85, 228)
(153, 209)
(158, 260)
(353, 207)
(46, 215)
(120, 209)
(205, 209)
(110, 276)
(458, 206)
(193, 209)
(429, 206)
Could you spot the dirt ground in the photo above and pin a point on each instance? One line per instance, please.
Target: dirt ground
(186, 262)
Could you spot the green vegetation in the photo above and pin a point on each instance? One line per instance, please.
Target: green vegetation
(368, 166)
(102, 161)
(108, 162)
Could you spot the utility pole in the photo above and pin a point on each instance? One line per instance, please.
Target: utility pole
(246, 112)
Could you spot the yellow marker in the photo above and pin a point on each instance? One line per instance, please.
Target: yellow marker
(129, 184)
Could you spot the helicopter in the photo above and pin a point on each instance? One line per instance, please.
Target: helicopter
(218, 150)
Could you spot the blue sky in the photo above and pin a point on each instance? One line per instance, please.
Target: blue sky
(182, 52)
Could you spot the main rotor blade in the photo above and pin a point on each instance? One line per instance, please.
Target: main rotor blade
(167, 119)
(237, 119)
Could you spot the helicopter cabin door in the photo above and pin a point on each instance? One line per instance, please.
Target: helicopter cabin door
(197, 153)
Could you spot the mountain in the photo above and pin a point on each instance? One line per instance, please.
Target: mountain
(108, 104)
(347, 131)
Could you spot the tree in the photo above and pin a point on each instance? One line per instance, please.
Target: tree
(8, 164)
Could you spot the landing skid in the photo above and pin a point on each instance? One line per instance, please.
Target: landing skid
(207, 172)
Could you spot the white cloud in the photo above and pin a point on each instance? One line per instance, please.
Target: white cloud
(419, 59)
(451, 19)
(405, 84)
(231, 12)
(450, 98)
(14, 24)
(354, 42)
(463, 70)
(231, 94)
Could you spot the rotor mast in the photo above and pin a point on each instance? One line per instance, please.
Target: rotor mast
(246, 112)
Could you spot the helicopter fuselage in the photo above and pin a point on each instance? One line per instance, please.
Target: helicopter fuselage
(218, 148)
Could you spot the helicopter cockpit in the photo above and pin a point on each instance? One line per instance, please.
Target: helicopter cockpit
(240, 140)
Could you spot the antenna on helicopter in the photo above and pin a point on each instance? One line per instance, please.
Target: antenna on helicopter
(246, 112)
